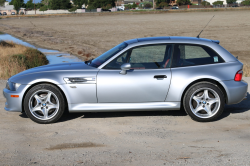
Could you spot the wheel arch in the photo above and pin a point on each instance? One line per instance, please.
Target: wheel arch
(37, 83)
(205, 80)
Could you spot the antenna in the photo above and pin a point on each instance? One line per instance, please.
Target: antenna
(205, 27)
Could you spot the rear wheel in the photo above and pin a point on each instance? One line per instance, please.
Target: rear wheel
(44, 104)
(204, 102)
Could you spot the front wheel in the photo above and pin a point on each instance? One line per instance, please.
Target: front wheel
(44, 104)
(204, 102)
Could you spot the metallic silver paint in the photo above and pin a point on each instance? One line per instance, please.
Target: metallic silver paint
(138, 89)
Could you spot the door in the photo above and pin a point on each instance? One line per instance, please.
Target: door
(148, 80)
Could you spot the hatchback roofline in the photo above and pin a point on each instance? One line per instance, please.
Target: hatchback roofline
(169, 38)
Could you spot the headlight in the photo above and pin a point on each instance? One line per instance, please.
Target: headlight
(12, 86)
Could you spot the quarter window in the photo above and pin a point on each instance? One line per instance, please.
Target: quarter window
(191, 55)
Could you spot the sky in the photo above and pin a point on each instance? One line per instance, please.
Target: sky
(28, 0)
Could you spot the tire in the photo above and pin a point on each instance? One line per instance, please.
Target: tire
(44, 104)
(204, 102)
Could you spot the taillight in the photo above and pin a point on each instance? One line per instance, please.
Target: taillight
(238, 75)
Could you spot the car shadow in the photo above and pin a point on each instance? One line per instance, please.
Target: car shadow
(71, 116)
(236, 108)
(229, 109)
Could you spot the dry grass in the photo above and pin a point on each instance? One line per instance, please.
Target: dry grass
(10, 48)
(16, 58)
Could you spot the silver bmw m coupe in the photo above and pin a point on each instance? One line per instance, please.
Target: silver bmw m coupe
(156, 73)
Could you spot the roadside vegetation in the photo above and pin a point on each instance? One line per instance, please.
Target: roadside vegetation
(15, 58)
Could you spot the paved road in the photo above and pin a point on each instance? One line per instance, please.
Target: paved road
(133, 138)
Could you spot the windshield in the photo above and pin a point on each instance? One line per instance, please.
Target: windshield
(107, 55)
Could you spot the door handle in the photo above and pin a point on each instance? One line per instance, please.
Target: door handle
(160, 76)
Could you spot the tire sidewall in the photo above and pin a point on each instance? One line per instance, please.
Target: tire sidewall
(51, 88)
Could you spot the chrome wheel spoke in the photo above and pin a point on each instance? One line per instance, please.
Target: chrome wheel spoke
(52, 106)
(205, 94)
(208, 110)
(36, 108)
(197, 99)
(198, 108)
(38, 99)
(212, 101)
(45, 113)
(48, 98)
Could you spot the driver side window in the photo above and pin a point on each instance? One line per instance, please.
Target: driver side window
(156, 56)
(117, 62)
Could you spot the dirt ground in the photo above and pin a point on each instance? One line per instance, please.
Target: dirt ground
(96, 34)
(126, 138)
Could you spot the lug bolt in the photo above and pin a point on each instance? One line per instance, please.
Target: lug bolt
(207, 103)
(203, 106)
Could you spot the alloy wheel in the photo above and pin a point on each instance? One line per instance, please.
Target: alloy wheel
(204, 103)
(43, 104)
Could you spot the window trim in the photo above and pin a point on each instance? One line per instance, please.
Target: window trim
(130, 51)
(201, 45)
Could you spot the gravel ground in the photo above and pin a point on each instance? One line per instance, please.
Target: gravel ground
(126, 138)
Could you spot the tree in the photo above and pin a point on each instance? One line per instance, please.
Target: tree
(231, 1)
(73, 9)
(65, 4)
(205, 3)
(2, 2)
(17, 5)
(163, 4)
(100, 3)
(218, 3)
(79, 3)
(246, 2)
(183, 2)
(148, 4)
(55, 4)
(43, 8)
(160, 1)
(30, 4)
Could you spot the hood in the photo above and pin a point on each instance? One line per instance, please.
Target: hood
(55, 67)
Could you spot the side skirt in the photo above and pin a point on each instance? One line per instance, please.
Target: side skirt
(113, 107)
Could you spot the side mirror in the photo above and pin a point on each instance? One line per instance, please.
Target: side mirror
(125, 67)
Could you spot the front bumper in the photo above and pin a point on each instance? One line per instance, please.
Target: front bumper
(236, 91)
(14, 104)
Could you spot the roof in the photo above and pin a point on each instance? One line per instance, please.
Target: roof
(168, 38)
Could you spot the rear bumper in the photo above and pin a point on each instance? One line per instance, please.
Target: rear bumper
(236, 91)
(14, 104)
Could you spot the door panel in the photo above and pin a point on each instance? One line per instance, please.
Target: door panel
(135, 87)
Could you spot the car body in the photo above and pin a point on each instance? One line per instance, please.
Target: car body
(175, 7)
(4, 13)
(13, 13)
(235, 5)
(0, 13)
(106, 10)
(155, 73)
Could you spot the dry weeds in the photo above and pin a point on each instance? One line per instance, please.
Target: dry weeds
(10, 48)
(16, 58)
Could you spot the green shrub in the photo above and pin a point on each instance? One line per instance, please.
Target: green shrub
(205, 3)
(246, 2)
(218, 3)
(31, 58)
(163, 4)
(183, 2)
(73, 9)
